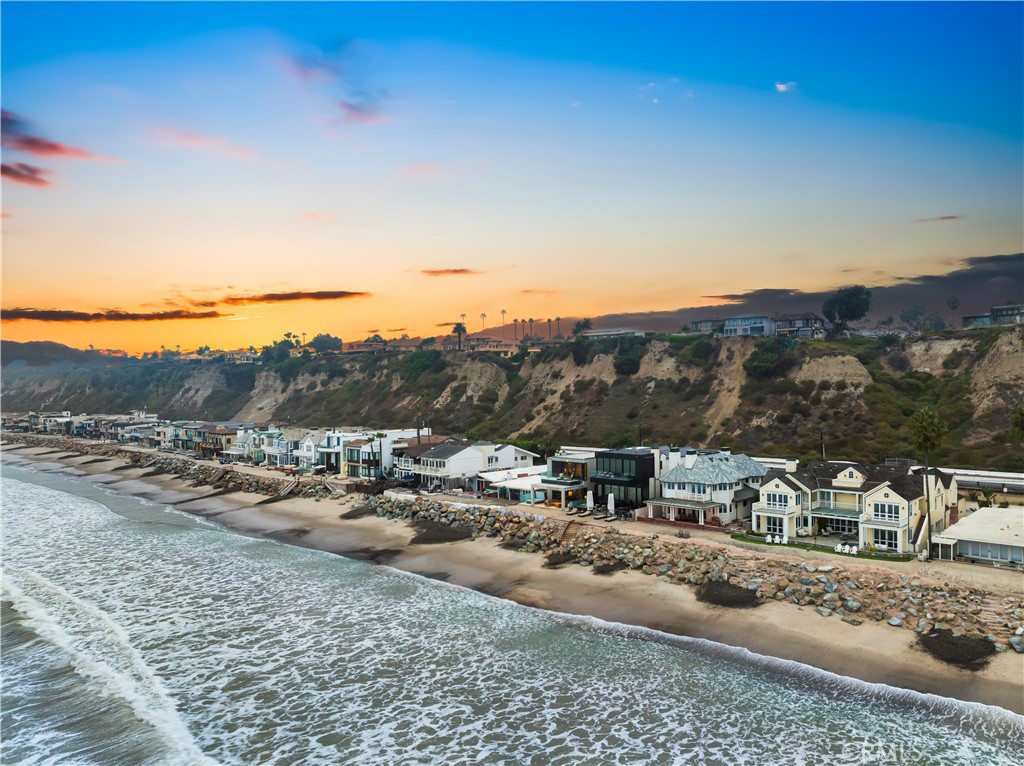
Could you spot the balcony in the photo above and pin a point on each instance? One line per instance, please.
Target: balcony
(778, 510)
(881, 521)
(562, 480)
(844, 510)
(427, 470)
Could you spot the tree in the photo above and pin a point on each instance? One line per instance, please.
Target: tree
(515, 329)
(483, 321)
(325, 342)
(531, 326)
(1017, 420)
(848, 304)
(771, 358)
(582, 326)
(503, 312)
(953, 303)
(558, 326)
(549, 328)
(459, 329)
(927, 430)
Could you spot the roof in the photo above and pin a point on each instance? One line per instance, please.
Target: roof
(793, 317)
(500, 447)
(505, 474)
(415, 450)
(519, 483)
(445, 451)
(717, 468)
(293, 434)
(1001, 526)
(692, 505)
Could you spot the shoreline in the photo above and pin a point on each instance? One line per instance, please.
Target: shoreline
(871, 652)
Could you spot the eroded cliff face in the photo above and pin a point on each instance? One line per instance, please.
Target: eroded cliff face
(669, 391)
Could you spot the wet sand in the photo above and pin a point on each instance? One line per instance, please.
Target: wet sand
(872, 652)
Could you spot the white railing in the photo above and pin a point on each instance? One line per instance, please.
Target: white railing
(881, 521)
(774, 508)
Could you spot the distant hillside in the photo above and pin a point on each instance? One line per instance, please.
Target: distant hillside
(42, 352)
(762, 398)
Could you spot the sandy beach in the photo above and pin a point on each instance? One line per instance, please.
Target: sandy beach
(872, 652)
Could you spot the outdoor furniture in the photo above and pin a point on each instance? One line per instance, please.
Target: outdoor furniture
(768, 539)
(846, 549)
(838, 548)
(853, 550)
(785, 539)
(778, 540)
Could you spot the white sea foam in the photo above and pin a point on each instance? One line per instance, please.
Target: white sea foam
(101, 651)
(279, 655)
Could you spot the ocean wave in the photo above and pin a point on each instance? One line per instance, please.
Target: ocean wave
(100, 651)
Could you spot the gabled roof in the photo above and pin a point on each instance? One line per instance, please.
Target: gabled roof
(293, 434)
(445, 451)
(501, 447)
(717, 468)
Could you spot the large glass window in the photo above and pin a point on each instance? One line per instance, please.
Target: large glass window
(886, 512)
(774, 525)
(888, 538)
(776, 500)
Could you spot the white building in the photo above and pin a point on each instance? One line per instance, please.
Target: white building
(450, 465)
(991, 535)
(705, 485)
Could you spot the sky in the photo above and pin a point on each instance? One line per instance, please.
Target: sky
(185, 174)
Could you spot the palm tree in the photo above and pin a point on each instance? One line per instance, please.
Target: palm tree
(549, 328)
(380, 452)
(483, 321)
(515, 329)
(531, 327)
(503, 312)
(558, 325)
(954, 304)
(460, 330)
(369, 441)
(927, 431)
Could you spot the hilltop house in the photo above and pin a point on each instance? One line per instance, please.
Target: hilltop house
(706, 487)
(805, 325)
(757, 325)
(883, 506)
(707, 326)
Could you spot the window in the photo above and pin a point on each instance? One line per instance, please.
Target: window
(843, 526)
(774, 525)
(886, 512)
(849, 475)
(776, 500)
(887, 537)
(698, 489)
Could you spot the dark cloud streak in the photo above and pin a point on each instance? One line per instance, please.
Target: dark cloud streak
(108, 315)
(22, 173)
(298, 295)
(450, 272)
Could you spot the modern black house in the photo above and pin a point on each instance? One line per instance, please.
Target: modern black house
(628, 474)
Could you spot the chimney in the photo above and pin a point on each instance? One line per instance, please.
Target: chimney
(689, 459)
(791, 464)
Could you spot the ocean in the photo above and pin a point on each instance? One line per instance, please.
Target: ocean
(134, 633)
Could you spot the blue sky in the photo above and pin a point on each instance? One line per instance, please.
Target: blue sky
(545, 158)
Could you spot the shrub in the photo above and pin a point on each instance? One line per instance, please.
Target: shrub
(771, 358)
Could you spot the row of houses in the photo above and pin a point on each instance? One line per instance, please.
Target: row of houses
(897, 507)
(1007, 314)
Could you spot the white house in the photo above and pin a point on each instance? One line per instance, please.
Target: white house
(705, 486)
(281, 450)
(450, 465)
(991, 535)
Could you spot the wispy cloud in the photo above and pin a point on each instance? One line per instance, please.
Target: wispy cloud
(186, 138)
(17, 137)
(450, 272)
(940, 218)
(362, 113)
(297, 295)
(785, 87)
(22, 173)
(398, 329)
(537, 291)
(445, 324)
(107, 315)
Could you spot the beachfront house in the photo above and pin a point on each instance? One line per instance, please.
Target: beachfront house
(705, 486)
(988, 535)
(281, 451)
(219, 439)
(372, 455)
(885, 507)
(407, 454)
(306, 454)
(450, 465)
(517, 484)
(626, 474)
(709, 326)
(567, 478)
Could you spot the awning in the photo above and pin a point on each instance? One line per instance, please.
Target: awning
(690, 505)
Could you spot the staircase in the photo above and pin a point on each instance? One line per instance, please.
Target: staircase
(572, 529)
(287, 488)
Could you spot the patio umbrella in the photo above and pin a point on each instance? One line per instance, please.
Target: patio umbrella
(611, 503)
(590, 500)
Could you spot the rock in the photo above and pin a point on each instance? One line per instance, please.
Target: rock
(1017, 642)
(896, 622)
(852, 585)
(851, 605)
(853, 620)
(809, 568)
(824, 612)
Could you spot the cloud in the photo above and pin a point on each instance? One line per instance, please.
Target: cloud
(537, 291)
(445, 324)
(185, 138)
(21, 173)
(785, 87)
(107, 315)
(765, 293)
(940, 218)
(16, 137)
(362, 113)
(398, 329)
(450, 272)
(298, 295)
